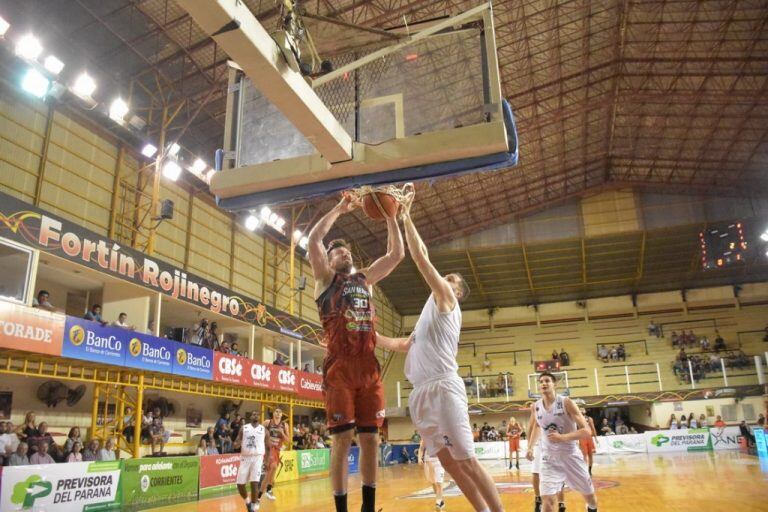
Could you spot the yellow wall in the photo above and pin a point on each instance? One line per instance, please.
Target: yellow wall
(78, 179)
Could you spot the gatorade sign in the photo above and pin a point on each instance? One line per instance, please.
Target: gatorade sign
(31, 330)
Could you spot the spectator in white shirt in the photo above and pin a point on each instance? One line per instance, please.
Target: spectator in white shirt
(41, 456)
(42, 301)
(122, 322)
(108, 452)
(486, 363)
(19, 457)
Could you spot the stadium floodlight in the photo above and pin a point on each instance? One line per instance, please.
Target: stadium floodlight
(265, 212)
(171, 170)
(84, 85)
(53, 64)
(35, 83)
(174, 149)
(764, 236)
(199, 166)
(252, 222)
(118, 109)
(297, 235)
(4, 26)
(149, 150)
(280, 223)
(28, 47)
(303, 242)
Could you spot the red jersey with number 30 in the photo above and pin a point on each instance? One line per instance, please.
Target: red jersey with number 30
(347, 314)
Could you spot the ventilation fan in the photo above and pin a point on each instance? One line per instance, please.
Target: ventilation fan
(229, 407)
(52, 392)
(167, 408)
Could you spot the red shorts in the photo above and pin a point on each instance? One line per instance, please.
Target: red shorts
(354, 395)
(274, 455)
(587, 446)
(514, 444)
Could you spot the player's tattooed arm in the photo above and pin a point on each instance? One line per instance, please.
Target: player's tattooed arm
(318, 257)
(394, 344)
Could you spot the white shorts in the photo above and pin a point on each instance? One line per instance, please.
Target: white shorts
(536, 459)
(561, 469)
(433, 471)
(440, 413)
(250, 469)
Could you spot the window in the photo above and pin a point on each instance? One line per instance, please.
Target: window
(16, 262)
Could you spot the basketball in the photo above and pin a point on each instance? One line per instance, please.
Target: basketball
(377, 205)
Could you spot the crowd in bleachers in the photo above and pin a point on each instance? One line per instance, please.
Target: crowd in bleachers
(613, 353)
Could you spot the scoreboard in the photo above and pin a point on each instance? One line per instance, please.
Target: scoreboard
(722, 245)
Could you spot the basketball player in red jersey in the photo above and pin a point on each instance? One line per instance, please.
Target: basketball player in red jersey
(588, 444)
(277, 434)
(354, 396)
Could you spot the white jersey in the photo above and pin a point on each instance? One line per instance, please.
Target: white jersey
(435, 344)
(555, 419)
(253, 440)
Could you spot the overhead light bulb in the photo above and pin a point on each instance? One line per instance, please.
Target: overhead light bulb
(199, 166)
(174, 149)
(265, 212)
(84, 86)
(764, 237)
(148, 150)
(118, 109)
(29, 47)
(35, 83)
(303, 242)
(4, 26)
(171, 170)
(252, 222)
(297, 235)
(53, 64)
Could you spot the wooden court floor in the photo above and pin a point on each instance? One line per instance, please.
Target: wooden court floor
(689, 482)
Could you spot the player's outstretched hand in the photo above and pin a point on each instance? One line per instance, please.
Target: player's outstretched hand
(349, 202)
(529, 455)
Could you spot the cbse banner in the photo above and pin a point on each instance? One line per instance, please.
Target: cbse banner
(71, 487)
(218, 473)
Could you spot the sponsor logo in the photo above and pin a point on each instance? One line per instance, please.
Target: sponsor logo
(144, 483)
(134, 347)
(261, 372)
(310, 459)
(286, 377)
(618, 444)
(659, 440)
(30, 490)
(77, 335)
(181, 356)
(229, 366)
(719, 437)
(308, 384)
(447, 441)
(228, 471)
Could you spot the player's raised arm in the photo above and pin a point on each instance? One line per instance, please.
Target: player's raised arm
(318, 256)
(440, 287)
(384, 266)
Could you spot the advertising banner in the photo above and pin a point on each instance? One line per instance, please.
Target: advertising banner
(89, 341)
(218, 473)
(683, 440)
(310, 385)
(193, 361)
(152, 481)
(627, 443)
(145, 352)
(354, 459)
(313, 461)
(725, 438)
(229, 368)
(71, 487)
(289, 467)
(285, 379)
(491, 450)
(259, 374)
(31, 330)
(761, 442)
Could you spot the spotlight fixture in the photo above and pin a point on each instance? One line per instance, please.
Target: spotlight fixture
(28, 47)
(265, 212)
(4, 26)
(35, 83)
(148, 150)
(199, 166)
(53, 64)
(118, 109)
(171, 170)
(84, 86)
(174, 149)
(252, 222)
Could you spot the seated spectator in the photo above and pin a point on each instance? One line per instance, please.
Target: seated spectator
(202, 447)
(157, 435)
(72, 438)
(622, 429)
(75, 453)
(683, 422)
(493, 434)
(42, 301)
(223, 434)
(279, 361)
(122, 322)
(108, 452)
(682, 356)
(224, 348)
(41, 455)
(475, 433)
(614, 354)
(555, 355)
(94, 314)
(704, 342)
(150, 328)
(159, 427)
(19, 457)
(654, 330)
(719, 423)
(235, 349)
(719, 342)
(605, 428)
(129, 427)
(212, 450)
(603, 353)
(691, 339)
(486, 363)
(692, 421)
(621, 352)
(29, 428)
(675, 339)
(415, 438)
(236, 425)
(209, 436)
(632, 430)
(8, 439)
(319, 370)
(91, 452)
(306, 368)
(565, 359)
(54, 450)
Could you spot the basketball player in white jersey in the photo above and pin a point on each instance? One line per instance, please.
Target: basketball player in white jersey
(535, 474)
(438, 402)
(251, 441)
(560, 425)
(434, 473)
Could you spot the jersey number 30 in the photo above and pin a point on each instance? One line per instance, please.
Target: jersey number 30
(360, 303)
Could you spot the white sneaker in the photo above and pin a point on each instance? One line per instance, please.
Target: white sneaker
(439, 507)
(255, 506)
(269, 495)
